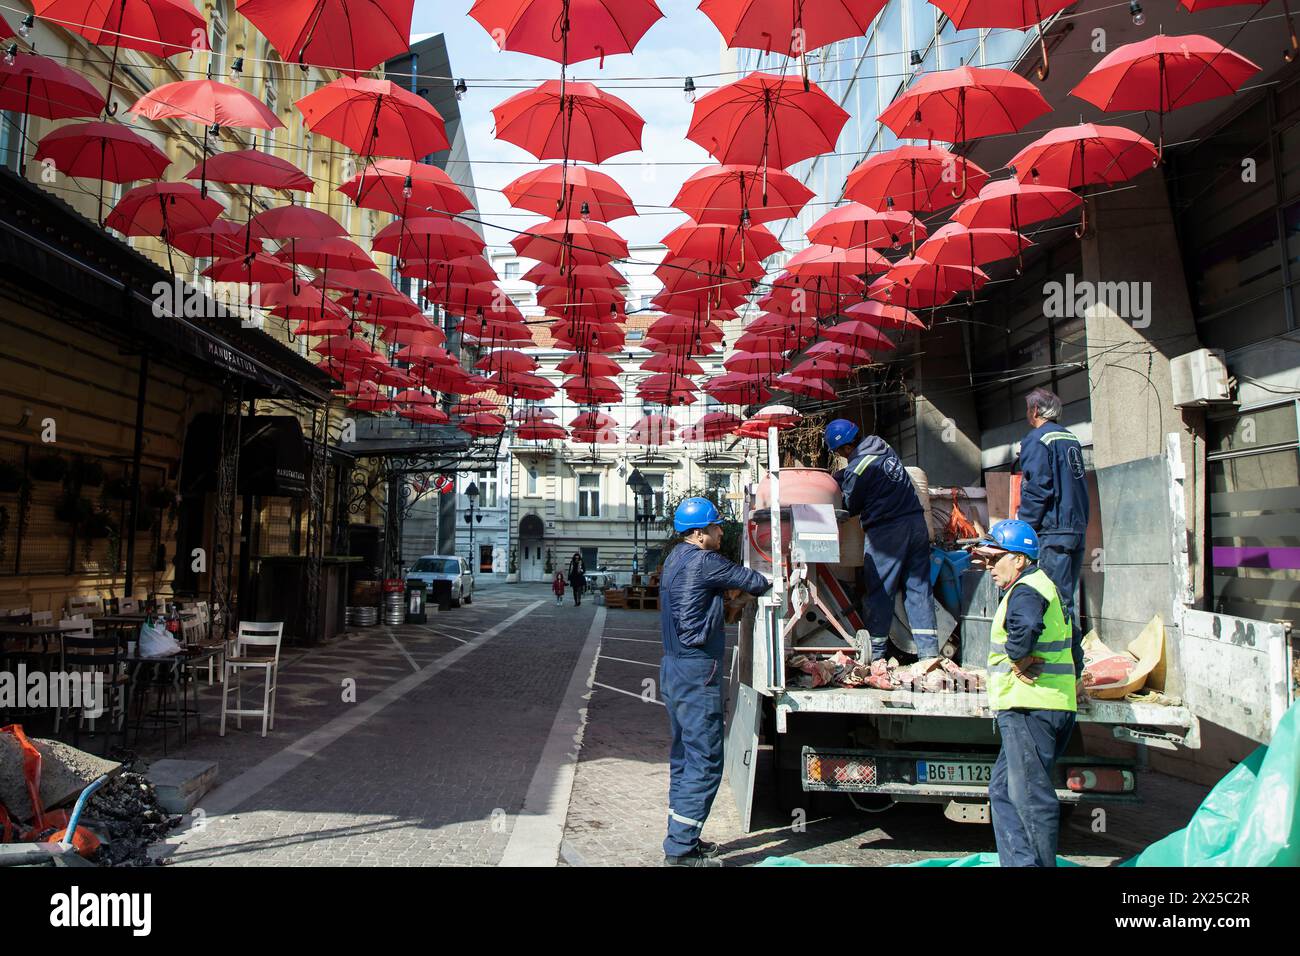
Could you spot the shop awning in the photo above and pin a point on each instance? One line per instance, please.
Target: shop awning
(273, 456)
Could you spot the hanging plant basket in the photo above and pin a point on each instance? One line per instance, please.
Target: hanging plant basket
(49, 467)
(100, 524)
(87, 472)
(12, 478)
(73, 509)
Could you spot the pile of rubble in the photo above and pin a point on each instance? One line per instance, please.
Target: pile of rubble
(934, 675)
(128, 819)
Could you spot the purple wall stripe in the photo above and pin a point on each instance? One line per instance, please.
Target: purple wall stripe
(1277, 559)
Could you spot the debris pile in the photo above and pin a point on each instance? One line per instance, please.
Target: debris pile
(126, 815)
(934, 675)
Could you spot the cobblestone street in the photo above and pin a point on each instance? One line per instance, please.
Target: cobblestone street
(459, 749)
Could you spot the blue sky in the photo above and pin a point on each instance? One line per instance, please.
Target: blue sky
(684, 43)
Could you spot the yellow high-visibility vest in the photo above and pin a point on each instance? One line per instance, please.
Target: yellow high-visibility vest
(1054, 687)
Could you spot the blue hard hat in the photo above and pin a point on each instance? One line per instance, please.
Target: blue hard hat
(695, 513)
(841, 432)
(1012, 535)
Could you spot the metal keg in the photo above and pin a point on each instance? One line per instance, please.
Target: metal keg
(394, 608)
(363, 616)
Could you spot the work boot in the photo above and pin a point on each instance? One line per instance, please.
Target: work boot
(696, 857)
(707, 848)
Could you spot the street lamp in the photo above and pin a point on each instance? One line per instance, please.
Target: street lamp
(637, 482)
(472, 494)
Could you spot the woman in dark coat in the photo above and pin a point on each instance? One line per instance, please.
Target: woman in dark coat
(577, 578)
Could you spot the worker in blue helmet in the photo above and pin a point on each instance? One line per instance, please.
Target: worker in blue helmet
(896, 553)
(1031, 692)
(691, 594)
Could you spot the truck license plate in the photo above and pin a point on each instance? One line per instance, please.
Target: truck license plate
(949, 771)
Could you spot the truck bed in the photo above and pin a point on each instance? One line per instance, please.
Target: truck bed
(867, 701)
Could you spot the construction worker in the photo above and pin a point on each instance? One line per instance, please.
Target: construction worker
(1031, 693)
(691, 590)
(1054, 502)
(896, 552)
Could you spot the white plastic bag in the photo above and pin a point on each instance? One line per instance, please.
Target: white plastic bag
(156, 640)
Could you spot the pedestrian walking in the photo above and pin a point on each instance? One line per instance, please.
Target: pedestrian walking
(1031, 693)
(691, 596)
(558, 587)
(577, 578)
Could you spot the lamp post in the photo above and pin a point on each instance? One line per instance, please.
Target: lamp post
(637, 482)
(472, 494)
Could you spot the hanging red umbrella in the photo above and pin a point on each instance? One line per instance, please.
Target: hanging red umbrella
(602, 276)
(366, 282)
(565, 192)
(250, 269)
(736, 388)
(855, 225)
(424, 414)
(404, 187)
(253, 167)
(652, 430)
(684, 330)
(472, 268)
(916, 283)
(915, 178)
(832, 261)
(798, 26)
(716, 425)
(38, 86)
(1009, 202)
(564, 241)
(1164, 73)
(842, 351)
(207, 102)
(333, 34)
(567, 31)
(780, 417)
(730, 194)
(540, 431)
(339, 325)
(422, 333)
(954, 244)
(482, 423)
(498, 332)
(506, 360)
(589, 365)
(677, 364)
(374, 118)
(160, 27)
(866, 317)
(964, 104)
(304, 305)
(573, 121)
(428, 237)
(718, 244)
(1075, 156)
(331, 252)
(471, 406)
(162, 210)
(756, 362)
(532, 412)
(220, 239)
(766, 120)
(294, 222)
(769, 340)
(522, 385)
(104, 151)
(591, 391)
(1011, 14)
(817, 388)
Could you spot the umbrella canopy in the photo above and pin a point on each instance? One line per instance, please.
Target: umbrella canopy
(471, 268)
(162, 209)
(375, 118)
(506, 360)
(594, 420)
(540, 431)
(832, 261)
(652, 430)
(335, 34)
(963, 104)
(108, 151)
(571, 240)
(800, 25)
(715, 425)
(871, 315)
(567, 31)
(766, 120)
(955, 244)
(38, 86)
(1012, 14)
(424, 333)
(252, 167)
(859, 333)
(332, 252)
(482, 423)
(294, 222)
(756, 362)
(424, 414)
(160, 27)
(1082, 155)
(724, 194)
(917, 283)
(219, 239)
(717, 243)
(207, 102)
(817, 388)
(677, 364)
(589, 365)
(257, 267)
(521, 385)
(591, 391)
(855, 225)
(571, 121)
(602, 276)
(428, 237)
(562, 192)
(404, 187)
(738, 388)
(1009, 202)
(471, 406)
(916, 178)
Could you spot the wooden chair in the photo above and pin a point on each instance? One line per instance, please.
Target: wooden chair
(128, 605)
(85, 605)
(42, 617)
(86, 653)
(256, 647)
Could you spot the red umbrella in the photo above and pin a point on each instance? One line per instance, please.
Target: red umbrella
(916, 178)
(715, 425)
(38, 86)
(684, 330)
(717, 243)
(594, 436)
(335, 34)
(374, 118)
(766, 120)
(832, 261)
(162, 209)
(220, 239)
(767, 340)
(1009, 202)
(424, 414)
(253, 167)
(332, 252)
(506, 360)
(422, 333)
(254, 268)
(499, 332)
(161, 27)
(735, 388)
(1075, 156)
(727, 194)
(800, 25)
(294, 222)
(841, 352)
(652, 430)
(522, 385)
(954, 244)
(207, 102)
(603, 276)
(576, 121)
(482, 423)
(103, 151)
(324, 326)
(916, 283)
(779, 417)
(857, 333)
(567, 31)
(562, 241)
(565, 191)
(471, 268)
(756, 362)
(1012, 14)
(1162, 74)
(855, 225)
(591, 391)
(425, 355)
(870, 315)
(428, 237)
(404, 187)
(678, 364)
(471, 406)
(540, 431)
(789, 326)
(362, 281)
(531, 412)
(811, 387)
(589, 365)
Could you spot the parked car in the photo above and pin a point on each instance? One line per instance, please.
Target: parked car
(445, 567)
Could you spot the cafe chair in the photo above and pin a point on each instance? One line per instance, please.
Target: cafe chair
(85, 605)
(42, 617)
(128, 605)
(256, 647)
(85, 653)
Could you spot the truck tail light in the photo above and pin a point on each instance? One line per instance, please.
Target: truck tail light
(1100, 780)
(840, 770)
